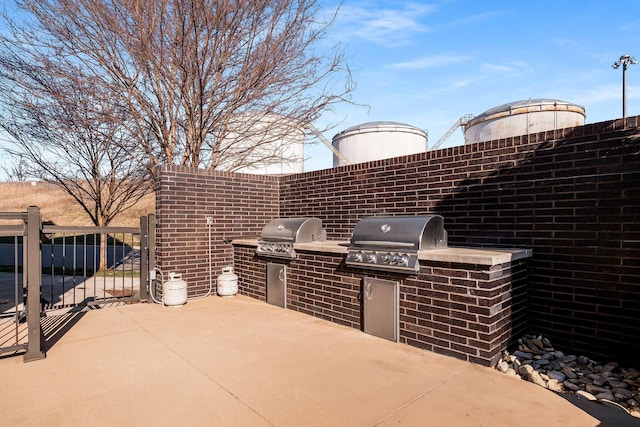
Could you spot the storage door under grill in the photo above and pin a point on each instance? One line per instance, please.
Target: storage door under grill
(380, 300)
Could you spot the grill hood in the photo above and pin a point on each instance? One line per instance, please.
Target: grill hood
(297, 230)
(279, 235)
(391, 243)
(406, 233)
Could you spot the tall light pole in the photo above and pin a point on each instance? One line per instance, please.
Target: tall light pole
(625, 60)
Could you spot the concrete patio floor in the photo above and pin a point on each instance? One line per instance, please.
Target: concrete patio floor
(241, 362)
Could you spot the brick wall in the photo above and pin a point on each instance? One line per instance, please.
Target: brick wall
(239, 204)
(316, 284)
(466, 311)
(251, 272)
(469, 312)
(573, 195)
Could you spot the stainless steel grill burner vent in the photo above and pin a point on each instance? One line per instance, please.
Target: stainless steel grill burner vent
(391, 243)
(279, 236)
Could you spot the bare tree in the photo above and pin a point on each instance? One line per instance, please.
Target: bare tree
(15, 169)
(202, 83)
(60, 140)
(63, 143)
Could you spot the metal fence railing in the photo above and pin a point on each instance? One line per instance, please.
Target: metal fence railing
(13, 328)
(22, 321)
(68, 267)
(90, 265)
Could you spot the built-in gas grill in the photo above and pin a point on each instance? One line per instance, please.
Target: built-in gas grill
(279, 236)
(391, 243)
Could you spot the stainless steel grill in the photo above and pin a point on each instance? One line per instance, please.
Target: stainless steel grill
(279, 236)
(391, 243)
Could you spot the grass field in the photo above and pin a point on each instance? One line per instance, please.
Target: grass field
(59, 208)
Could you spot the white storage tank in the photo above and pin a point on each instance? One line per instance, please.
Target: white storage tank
(378, 140)
(174, 291)
(227, 283)
(267, 144)
(523, 118)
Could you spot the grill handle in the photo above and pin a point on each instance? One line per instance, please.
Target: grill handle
(383, 244)
(368, 292)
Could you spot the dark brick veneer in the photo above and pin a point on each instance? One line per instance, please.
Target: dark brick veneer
(470, 312)
(238, 204)
(573, 195)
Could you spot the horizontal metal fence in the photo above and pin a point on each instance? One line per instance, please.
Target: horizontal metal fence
(90, 265)
(50, 267)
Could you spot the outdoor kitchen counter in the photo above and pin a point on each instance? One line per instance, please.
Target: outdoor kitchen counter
(478, 256)
(463, 302)
(328, 246)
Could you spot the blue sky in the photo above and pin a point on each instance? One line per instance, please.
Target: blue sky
(427, 63)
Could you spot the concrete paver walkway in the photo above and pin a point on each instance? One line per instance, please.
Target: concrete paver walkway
(241, 362)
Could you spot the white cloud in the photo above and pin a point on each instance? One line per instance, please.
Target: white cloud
(488, 68)
(604, 93)
(384, 26)
(630, 25)
(604, 102)
(434, 61)
(472, 19)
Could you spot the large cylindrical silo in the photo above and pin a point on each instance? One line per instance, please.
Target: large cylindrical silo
(378, 140)
(266, 144)
(523, 118)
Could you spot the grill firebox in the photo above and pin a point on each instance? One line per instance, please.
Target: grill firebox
(279, 236)
(391, 243)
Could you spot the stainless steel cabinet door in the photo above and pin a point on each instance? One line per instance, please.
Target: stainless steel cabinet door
(381, 312)
(277, 284)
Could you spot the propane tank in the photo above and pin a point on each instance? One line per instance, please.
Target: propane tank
(227, 283)
(174, 291)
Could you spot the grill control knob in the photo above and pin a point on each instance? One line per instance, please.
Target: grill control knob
(371, 258)
(385, 259)
(356, 257)
(403, 260)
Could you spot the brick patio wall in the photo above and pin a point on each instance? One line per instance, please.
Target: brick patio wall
(470, 312)
(239, 205)
(572, 195)
(317, 284)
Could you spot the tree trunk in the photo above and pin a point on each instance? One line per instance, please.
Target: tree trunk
(103, 252)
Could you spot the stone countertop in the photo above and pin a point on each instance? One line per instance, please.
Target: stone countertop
(480, 256)
(328, 246)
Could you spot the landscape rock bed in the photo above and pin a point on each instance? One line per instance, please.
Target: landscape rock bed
(537, 361)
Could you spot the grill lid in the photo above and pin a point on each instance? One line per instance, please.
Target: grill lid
(407, 233)
(297, 230)
(279, 235)
(391, 243)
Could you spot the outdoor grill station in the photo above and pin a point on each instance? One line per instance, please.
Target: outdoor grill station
(372, 274)
(391, 243)
(277, 241)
